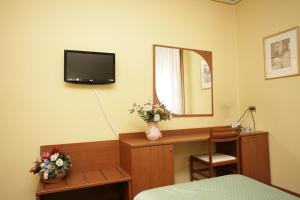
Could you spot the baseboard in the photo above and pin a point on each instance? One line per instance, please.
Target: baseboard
(285, 190)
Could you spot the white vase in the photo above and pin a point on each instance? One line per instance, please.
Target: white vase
(153, 132)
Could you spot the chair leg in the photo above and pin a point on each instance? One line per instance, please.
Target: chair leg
(238, 169)
(211, 171)
(191, 168)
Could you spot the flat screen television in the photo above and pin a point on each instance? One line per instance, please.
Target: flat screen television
(87, 67)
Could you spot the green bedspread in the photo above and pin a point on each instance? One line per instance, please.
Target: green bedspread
(230, 187)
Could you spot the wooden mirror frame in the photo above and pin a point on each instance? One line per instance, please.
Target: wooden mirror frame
(207, 55)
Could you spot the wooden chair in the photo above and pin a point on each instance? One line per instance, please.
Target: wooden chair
(226, 143)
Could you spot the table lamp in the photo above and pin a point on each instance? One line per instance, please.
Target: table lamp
(251, 109)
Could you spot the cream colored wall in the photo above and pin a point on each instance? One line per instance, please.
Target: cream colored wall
(38, 108)
(277, 101)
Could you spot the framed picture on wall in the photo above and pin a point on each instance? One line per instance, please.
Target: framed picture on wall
(205, 75)
(281, 54)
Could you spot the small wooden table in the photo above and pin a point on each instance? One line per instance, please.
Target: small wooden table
(95, 174)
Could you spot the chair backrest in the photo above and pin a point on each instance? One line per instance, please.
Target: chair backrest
(224, 134)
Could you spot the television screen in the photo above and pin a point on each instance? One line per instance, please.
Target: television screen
(89, 67)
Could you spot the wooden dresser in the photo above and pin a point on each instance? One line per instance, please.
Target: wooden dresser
(151, 163)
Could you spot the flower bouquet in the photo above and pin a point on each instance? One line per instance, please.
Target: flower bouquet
(52, 166)
(152, 114)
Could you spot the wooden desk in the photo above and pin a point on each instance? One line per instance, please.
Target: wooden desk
(151, 163)
(95, 173)
(120, 169)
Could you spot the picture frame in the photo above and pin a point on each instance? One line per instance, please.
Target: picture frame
(205, 75)
(281, 54)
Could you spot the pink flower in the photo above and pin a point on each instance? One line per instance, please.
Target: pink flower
(55, 150)
(45, 155)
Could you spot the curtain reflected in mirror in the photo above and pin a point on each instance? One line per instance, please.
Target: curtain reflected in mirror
(183, 80)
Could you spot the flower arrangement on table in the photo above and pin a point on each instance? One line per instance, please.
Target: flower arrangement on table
(52, 166)
(152, 114)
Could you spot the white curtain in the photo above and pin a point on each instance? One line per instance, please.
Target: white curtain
(168, 78)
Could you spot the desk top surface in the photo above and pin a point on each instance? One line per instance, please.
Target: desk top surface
(140, 140)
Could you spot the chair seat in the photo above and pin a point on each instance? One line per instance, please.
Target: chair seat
(216, 157)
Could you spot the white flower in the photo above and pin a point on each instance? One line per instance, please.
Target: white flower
(148, 107)
(136, 108)
(43, 165)
(45, 175)
(54, 157)
(156, 117)
(59, 162)
(49, 166)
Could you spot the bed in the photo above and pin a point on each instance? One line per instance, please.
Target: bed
(229, 187)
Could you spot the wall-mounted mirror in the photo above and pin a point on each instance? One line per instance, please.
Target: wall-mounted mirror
(183, 80)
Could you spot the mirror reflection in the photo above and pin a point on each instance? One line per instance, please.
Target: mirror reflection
(183, 80)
